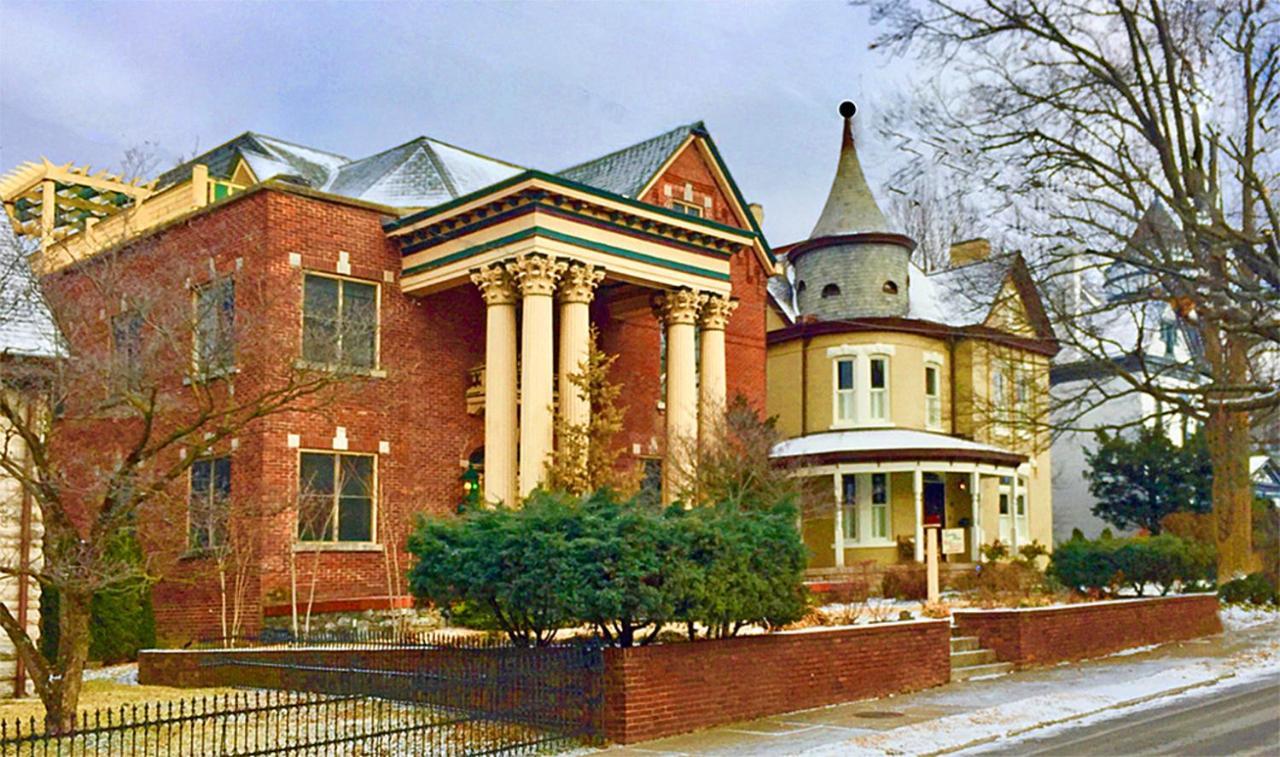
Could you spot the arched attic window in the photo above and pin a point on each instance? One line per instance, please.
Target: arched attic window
(801, 287)
(830, 290)
(890, 287)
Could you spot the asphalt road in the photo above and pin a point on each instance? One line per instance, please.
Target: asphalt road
(1243, 720)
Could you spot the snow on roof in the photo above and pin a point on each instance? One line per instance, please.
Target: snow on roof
(626, 171)
(959, 296)
(419, 173)
(877, 440)
(26, 326)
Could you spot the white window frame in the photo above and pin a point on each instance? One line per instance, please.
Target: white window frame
(862, 355)
(882, 393)
(933, 402)
(839, 395)
(1005, 492)
(1000, 399)
(849, 508)
(859, 517)
(1021, 509)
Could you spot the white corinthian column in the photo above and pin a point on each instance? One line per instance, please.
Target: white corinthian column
(711, 399)
(678, 312)
(536, 277)
(499, 383)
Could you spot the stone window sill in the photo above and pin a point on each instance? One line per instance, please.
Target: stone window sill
(349, 370)
(336, 546)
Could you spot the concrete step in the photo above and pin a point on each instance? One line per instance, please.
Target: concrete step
(990, 670)
(964, 643)
(971, 657)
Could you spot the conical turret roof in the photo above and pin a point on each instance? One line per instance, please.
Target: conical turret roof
(850, 208)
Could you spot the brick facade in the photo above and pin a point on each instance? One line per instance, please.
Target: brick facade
(411, 414)
(651, 692)
(1043, 636)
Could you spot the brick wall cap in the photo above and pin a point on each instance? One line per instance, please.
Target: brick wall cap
(858, 627)
(979, 612)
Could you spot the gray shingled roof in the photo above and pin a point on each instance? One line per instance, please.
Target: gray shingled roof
(420, 173)
(627, 171)
(26, 326)
(267, 156)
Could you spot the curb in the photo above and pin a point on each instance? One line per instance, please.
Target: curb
(1078, 716)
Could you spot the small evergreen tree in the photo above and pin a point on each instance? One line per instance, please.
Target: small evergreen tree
(1138, 481)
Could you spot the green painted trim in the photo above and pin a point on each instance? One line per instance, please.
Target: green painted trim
(571, 214)
(569, 239)
(421, 215)
(737, 193)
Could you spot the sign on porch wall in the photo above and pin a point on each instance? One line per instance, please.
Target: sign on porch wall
(952, 541)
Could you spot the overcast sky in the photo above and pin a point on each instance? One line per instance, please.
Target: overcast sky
(541, 84)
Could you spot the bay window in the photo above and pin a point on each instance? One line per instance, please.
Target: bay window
(878, 393)
(846, 397)
(865, 509)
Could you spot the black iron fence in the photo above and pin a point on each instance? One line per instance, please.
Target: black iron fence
(443, 697)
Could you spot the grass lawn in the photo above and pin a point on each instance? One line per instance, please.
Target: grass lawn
(105, 694)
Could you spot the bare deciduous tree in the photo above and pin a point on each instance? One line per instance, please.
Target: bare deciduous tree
(165, 360)
(1078, 121)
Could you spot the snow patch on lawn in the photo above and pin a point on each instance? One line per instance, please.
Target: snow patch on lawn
(1238, 618)
(126, 674)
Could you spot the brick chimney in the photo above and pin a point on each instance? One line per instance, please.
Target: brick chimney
(970, 251)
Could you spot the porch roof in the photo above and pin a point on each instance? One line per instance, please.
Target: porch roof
(890, 445)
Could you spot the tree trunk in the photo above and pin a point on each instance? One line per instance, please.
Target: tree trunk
(1228, 437)
(73, 649)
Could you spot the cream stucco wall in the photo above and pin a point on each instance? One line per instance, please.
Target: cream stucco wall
(810, 408)
(801, 384)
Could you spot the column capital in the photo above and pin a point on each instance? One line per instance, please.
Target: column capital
(579, 282)
(496, 285)
(679, 306)
(536, 274)
(716, 311)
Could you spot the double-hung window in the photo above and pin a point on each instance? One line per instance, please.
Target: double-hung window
(849, 506)
(999, 398)
(126, 349)
(846, 396)
(865, 509)
(339, 322)
(879, 506)
(932, 396)
(209, 503)
(335, 502)
(215, 324)
(878, 389)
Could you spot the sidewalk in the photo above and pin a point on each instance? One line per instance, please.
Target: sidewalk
(961, 715)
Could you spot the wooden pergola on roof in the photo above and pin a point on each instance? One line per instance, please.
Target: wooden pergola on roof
(53, 202)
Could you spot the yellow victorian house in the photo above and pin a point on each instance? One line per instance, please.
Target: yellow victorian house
(907, 400)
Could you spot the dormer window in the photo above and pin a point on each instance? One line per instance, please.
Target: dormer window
(890, 287)
(687, 208)
(830, 290)
(801, 287)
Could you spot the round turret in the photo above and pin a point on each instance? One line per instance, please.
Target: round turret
(852, 265)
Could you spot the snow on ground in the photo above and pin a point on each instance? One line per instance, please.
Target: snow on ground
(126, 674)
(1238, 617)
(1008, 720)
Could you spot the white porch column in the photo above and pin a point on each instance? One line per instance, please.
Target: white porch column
(499, 383)
(712, 391)
(577, 289)
(536, 275)
(918, 493)
(839, 520)
(975, 499)
(678, 311)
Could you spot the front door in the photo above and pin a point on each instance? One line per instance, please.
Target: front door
(935, 500)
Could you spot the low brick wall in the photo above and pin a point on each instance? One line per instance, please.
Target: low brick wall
(649, 692)
(658, 691)
(1047, 635)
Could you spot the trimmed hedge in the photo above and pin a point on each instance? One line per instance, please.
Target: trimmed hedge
(1104, 565)
(617, 566)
